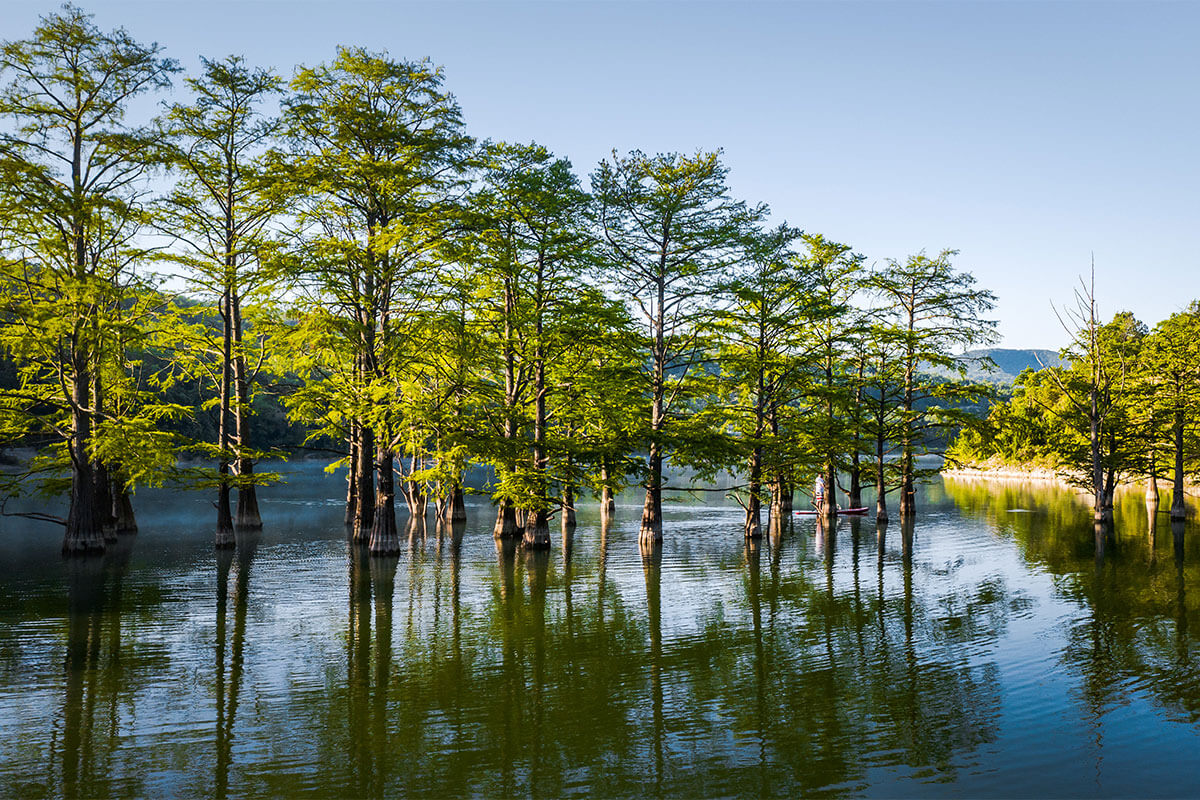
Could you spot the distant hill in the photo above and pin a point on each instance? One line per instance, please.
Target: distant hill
(1009, 363)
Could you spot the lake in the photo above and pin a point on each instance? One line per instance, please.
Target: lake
(996, 649)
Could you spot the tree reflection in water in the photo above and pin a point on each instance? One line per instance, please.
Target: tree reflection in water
(1132, 636)
(817, 661)
(229, 678)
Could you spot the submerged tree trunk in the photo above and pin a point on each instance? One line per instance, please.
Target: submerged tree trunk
(458, 505)
(248, 516)
(608, 502)
(651, 530)
(247, 505)
(752, 527)
(83, 532)
(364, 501)
(881, 511)
(537, 530)
(100, 473)
(1152, 482)
(908, 493)
(567, 512)
(225, 532)
(1178, 504)
(415, 496)
(104, 501)
(854, 498)
(122, 506)
(1110, 481)
(384, 537)
(506, 521)
(352, 474)
(781, 505)
(829, 509)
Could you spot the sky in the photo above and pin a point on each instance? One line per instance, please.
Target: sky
(1031, 137)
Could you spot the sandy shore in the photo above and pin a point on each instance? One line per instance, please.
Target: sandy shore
(1012, 474)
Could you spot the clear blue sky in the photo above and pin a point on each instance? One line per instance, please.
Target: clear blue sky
(1027, 135)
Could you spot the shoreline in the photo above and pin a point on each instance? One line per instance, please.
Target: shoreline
(1010, 474)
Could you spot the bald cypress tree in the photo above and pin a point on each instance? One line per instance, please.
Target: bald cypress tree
(71, 181)
(218, 214)
(670, 230)
(937, 311)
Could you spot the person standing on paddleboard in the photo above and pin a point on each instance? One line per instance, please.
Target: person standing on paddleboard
(819, 493)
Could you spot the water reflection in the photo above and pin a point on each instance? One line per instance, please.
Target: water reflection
(1131, 636)
(821, 660)
(229, 679)
(91, 710)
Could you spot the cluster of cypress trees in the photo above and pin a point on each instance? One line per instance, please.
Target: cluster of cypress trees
(428, 300)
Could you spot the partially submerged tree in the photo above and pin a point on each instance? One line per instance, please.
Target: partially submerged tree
(937, 311)
(1169, 371)
(71, 177)
(1093, 400)
(218, 213)
(377, 159)
(761, 342)
(830, 331)
(670, 230)
(534, 245)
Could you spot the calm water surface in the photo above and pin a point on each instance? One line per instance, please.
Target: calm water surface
(997, 649)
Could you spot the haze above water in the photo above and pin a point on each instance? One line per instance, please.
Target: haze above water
(1002, 652)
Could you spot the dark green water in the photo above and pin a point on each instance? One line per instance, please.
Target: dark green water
(999, 650)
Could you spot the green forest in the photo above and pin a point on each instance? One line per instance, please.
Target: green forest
(204, 271)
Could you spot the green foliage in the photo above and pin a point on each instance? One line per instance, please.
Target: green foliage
(429, 300)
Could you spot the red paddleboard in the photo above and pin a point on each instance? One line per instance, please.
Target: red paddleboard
(813, 512)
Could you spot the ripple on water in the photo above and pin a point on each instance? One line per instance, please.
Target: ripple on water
(988, 653)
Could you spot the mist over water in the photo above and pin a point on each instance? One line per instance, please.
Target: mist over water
(998, 648)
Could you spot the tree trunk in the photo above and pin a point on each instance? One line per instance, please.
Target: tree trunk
(104, 502)
(225, 533)
(1178, 504)
(248, 516)
(123, 507)
(458, 505)
(1098, 515)
(506, 521)
(854, 500)
(537, 530)
(567, 512)
(829, 509)
(364, 505)
(1152, 481)
(384, 538)
(352, 474)
(651, 530)
(1110, 479)
(752, 527)
(247, 507)
(83, 533)
(881, 512)
(908, 493)
(608, 502)
(106, 521)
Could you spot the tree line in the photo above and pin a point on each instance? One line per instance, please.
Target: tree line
(426, 301)
(1120, 407)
